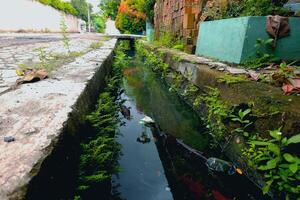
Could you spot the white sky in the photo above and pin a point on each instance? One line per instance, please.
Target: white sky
(95, 4)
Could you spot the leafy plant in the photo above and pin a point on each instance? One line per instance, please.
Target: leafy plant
(100, 153)
(65, 35)
(152, 60)
(244, 123)
(178, 79)
(42, 56)
(217, 112)
(281, 167)
(264, 55)
(190, 91)
(169, 40)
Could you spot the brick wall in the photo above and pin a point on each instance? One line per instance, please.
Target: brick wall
(181, 18)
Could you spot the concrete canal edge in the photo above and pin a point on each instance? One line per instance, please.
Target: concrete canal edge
(44, 118)
(269, 102)
(272, 108)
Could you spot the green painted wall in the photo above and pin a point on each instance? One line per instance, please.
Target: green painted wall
(149, 31)
(233, 40)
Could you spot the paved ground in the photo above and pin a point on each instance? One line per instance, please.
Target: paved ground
(34, 113)
(19, 49)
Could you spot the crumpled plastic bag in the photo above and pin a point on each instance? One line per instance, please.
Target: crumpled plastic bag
(277, 27)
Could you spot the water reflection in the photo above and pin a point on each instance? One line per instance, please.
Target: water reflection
(155, 166)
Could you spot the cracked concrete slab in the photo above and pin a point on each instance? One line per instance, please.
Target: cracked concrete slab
(34, 114)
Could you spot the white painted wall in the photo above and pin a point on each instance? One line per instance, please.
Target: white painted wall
(29, 15)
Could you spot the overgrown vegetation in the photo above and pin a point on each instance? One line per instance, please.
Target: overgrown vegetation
(81, 7)
(49, 61)
(240, 8)
(66, 7)
(217, 110)
(264, 55)
(276, 159)
(110, 8)
(152, 60)
(168, 40)
(100, 152)
(98, 21)
(131, 17)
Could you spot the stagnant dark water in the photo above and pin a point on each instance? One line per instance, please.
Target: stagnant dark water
(161, 168)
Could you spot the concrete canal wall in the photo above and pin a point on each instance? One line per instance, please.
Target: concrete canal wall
(270, 107)
(44, 118)
(266, 98)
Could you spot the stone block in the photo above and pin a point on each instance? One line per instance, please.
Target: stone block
(233, 40)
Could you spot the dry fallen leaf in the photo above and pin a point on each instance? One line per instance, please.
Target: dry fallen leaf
(254, 75)
(32, 76)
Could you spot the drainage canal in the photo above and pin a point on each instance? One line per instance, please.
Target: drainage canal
(162, 151)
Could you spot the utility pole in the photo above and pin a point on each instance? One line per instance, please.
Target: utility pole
(89, 16)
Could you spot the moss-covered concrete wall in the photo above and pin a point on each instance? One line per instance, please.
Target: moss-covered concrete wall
(271, 107)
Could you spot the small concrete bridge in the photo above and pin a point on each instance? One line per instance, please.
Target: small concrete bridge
(129, 37)
(126, 36)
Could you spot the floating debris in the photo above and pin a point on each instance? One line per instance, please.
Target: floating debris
(125, 112)
(147, 120)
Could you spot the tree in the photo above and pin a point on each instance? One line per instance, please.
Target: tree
(98, 21)
(110, 8)
(131, 17)
(81, 6)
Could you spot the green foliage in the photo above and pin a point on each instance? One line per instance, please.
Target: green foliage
(65, 35)
(239, 8)
(177, 80)
(231, 79)
(262, 8)
(99, 23)
(110, 8)
(166, 39)
(149, 9)
(60, 5)
(81, 6)
(264, 55)
(273, 157)
(96, 45)
(244, 123)
(50, 61)
(127, 23)
(42, 56)
(99, 155)
(99, 160)
(152, 60)
(217, 112)
(190, 91)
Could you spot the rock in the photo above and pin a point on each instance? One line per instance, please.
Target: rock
(9, 139)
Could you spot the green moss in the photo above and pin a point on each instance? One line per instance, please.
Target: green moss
(231, 79)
